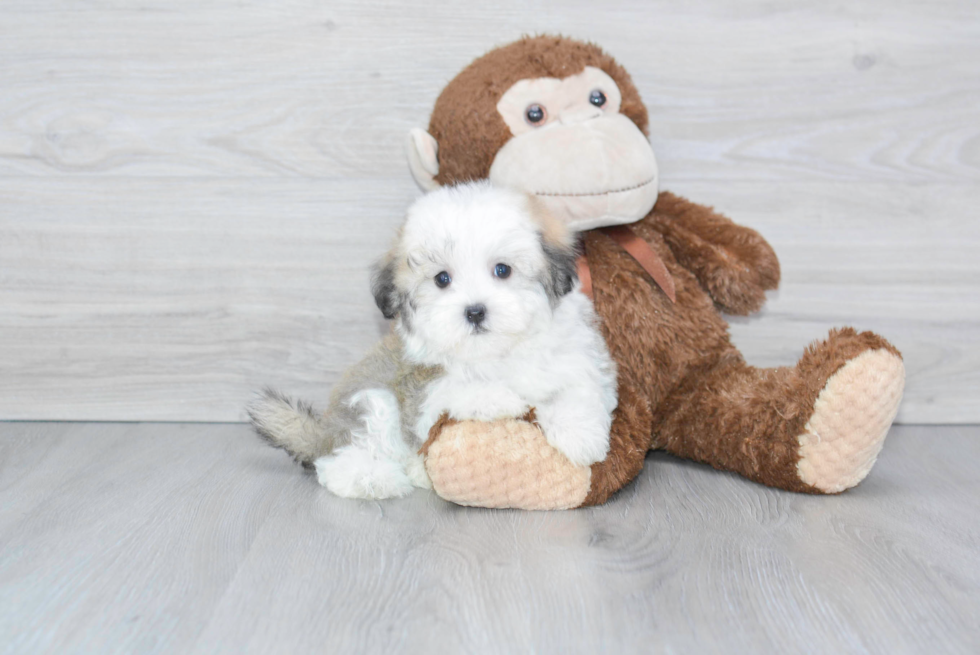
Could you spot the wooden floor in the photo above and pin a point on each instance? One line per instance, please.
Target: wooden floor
(177, 538)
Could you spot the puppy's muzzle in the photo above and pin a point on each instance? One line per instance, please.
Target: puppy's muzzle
(475, 314)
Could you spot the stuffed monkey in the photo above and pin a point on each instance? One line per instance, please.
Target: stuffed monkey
(562, 120)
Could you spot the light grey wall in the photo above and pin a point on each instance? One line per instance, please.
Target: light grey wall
(191, 192)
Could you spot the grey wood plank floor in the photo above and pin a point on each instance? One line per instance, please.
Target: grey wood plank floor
(167, 538)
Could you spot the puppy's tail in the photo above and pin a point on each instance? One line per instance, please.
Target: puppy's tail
(291, 425)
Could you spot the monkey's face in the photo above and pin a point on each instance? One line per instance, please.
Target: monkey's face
(572, 149)
(572, 142)
(474, 271)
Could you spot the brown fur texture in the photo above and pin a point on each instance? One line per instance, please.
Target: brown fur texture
(705, 403)
(683, 386)
(441, 424)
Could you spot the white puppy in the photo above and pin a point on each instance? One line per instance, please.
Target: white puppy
(489, 324)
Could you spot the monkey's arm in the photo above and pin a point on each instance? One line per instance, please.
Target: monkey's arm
(733, 263)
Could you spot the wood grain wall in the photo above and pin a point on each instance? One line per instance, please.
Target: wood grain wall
(191, 191)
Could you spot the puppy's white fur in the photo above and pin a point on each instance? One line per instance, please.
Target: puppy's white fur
(538, 346)
(377, 463)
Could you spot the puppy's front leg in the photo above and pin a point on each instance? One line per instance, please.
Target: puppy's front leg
(484, 401)
(465, 401)
(577, 425)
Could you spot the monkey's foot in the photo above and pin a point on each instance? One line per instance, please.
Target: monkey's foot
(505, 463)
(851, 417)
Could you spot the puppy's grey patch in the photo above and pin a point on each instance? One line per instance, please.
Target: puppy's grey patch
(386, 294)
(560, 275)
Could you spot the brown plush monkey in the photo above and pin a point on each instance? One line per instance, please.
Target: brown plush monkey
(562, 120)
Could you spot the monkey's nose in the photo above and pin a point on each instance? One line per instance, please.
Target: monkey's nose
(475, 314)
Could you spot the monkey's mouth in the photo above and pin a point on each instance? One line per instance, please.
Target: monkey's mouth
(597, 193)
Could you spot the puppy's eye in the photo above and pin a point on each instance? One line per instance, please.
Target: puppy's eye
(442, 279)
(502, 271)
(597, 98)
(535, 114)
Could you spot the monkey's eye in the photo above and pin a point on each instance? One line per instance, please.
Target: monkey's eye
(502, 271)
(535, 114)
(597, 98)
(442, 279)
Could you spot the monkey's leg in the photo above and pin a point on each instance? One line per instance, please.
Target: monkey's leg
(817, 427)
(628, 445)
(509, 463)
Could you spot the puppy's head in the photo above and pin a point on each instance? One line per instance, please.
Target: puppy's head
(474, 270)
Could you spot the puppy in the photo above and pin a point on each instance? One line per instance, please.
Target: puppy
(489, 324)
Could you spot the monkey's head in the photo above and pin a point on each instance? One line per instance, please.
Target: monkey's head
(551, 116)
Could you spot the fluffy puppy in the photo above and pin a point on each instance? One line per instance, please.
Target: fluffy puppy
(488, 324)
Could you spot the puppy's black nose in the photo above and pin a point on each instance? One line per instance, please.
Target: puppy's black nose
(475, 314)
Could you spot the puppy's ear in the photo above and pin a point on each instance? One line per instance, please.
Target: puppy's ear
(386, 294)
(559, 251)
(561, 269)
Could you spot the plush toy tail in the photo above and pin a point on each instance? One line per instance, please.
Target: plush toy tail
(289, 424)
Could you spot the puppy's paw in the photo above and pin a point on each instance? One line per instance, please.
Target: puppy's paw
(352, 472)
(581, 452)
(583, 444)
(415, 469)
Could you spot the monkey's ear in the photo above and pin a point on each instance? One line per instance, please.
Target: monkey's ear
(383, 287)
(423, 158)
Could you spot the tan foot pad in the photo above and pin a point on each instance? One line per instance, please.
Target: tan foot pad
(851, 417)
(503, 464)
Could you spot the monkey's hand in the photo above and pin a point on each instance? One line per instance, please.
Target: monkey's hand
(734, 263)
